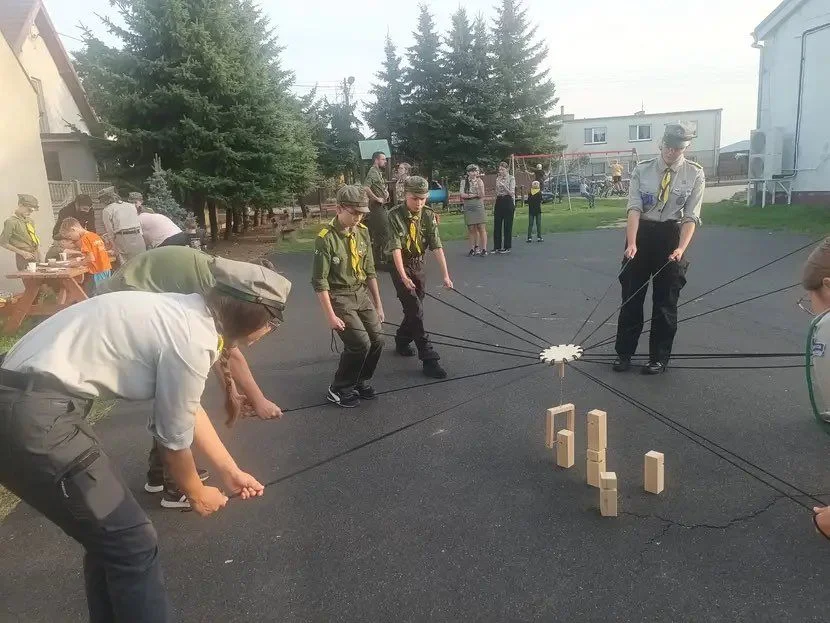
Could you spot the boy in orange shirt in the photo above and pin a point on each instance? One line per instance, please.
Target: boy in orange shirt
(91, 247)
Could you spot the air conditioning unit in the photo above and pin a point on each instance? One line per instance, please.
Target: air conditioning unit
(766, 149)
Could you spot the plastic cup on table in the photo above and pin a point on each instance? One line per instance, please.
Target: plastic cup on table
(31, 267)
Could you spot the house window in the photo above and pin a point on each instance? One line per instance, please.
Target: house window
(594, 135)
(640, 132)
(41, 106)
(53, 166)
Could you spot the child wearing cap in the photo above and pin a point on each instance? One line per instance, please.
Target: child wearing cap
(91, 247)
(534, 211)
(19, 235)
(344, 278)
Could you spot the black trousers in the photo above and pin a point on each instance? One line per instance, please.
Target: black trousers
(51, 459)
(534, 218)
(378, 225)
(655, 242)
(412, 325)
(362, 340)
(503, 222)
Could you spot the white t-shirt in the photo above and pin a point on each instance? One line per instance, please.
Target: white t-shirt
(156, 228)
(131, 345)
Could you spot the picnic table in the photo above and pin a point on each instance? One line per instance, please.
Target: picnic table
(65, 282)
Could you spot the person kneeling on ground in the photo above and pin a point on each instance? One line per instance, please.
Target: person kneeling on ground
(133, 346)
(90, 246)
(182, 270)
(816, 281)
(413, 229)
(344, 278)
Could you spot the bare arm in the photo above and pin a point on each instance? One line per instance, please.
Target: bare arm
(397, 259)
(687, 230)
(632, 226)
(28, 255)
(334, 321)
(247, 385)
(442, 262)
(372, 195)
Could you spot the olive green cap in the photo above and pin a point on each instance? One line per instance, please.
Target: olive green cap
(678, 135)
(135, 197)
(29, 201)
(253, 283)
(416, 185)
(108, 195)
(353, 196)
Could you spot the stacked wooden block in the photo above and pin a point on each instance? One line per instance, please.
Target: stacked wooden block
(597, 444)
(564, 439)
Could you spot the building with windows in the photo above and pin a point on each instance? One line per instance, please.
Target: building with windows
(630, 138)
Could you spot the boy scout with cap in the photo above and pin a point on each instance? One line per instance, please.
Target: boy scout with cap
(664, 202)
(413, 229)
(19, 235)
(346, 284)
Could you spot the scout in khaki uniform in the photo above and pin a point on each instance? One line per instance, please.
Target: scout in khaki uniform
(346, 284)
(121, 225)
(413, 229)
(378, 193)
(664, 202)
(19, 235)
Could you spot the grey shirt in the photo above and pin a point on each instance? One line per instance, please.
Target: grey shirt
(685, 191)
(131, 345)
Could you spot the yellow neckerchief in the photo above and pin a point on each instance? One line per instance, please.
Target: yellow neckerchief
(354, 256)
(220, 346)
(665, 185)
(534, 191)
(414, 238)
(30, 229)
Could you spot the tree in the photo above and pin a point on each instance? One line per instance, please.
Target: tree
(159, 197)
(527, 92)
(426, 106)
(385, 116)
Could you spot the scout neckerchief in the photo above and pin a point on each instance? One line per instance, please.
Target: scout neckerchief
(665, 185)
(220, 346)
(354, 256)
(821, 412)
(414, 240)
(30, 229)
(534, 191)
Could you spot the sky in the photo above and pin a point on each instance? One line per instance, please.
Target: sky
(606, 57)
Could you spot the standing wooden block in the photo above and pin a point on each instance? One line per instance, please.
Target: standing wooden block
(654, 472)
(608, 480)
(608, 502)
(550, 438)
(560, 369)
(597, 430)
(565, 448)
(594, 469)
(596, 455)
(569, 411)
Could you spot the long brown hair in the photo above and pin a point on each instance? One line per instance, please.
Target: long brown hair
(234, 319)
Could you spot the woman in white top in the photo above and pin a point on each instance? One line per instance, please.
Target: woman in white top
(133, 346)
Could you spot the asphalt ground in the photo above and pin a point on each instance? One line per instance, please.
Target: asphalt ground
(465, 516)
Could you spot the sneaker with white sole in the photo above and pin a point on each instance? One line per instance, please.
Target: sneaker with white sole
(173, 498)
(156, 486)
(343, 398)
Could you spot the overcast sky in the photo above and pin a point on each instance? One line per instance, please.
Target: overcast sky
(606, 57)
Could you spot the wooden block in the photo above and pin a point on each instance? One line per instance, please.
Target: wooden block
(596, 455)
(560, 369)
(565, 448)
(608, 480)
(568, 410)
(594, 468)
(549, 427)
(608, 502)
(654, 472)
(597, 430)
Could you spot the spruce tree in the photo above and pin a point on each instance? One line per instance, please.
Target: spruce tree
(385, 115)
(527, 92)
(159, 198)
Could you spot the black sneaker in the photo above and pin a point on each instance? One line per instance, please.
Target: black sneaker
(505, 251)
(343, 398)
(529, 240)
(540, 240)
(157, 486)
(173, 498)
(434, 370)
(497, 251)
(405, 350)
(483, 252)
(473, 251)
(366, 392)
(621, 364)
(653, 367)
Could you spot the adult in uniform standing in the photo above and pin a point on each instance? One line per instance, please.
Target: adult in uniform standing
(413, 229)
(19, 235)
(344, 278)
(664, 202)
(378, 194)
(121, 224)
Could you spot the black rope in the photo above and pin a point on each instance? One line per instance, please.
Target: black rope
(674, 367)
(465, 339)
(625, 302)
(588, 356)
(489, 324)
(395, 431)
(699, 439)
(626, 262)
(497, 315)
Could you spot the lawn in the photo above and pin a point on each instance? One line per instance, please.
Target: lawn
(611, 212)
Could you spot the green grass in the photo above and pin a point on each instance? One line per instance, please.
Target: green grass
(610, 212)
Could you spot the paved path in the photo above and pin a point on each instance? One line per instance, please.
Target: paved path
(465, 517)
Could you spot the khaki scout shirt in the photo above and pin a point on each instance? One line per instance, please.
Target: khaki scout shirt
(19, 232)
(332, 267)
(426, 228)
(685, 191)
(375, 182)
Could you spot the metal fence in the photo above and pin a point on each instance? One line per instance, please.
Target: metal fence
(64, 192)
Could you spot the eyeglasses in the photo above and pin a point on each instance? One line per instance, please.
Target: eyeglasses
(806, 305)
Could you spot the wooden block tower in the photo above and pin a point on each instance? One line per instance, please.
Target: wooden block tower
(608, 494)
(569, 411)
(654, 475)
(597, 443)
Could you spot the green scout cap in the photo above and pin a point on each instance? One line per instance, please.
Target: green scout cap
(253, 283)
(135, 197)
(353, 196)
(472, 167)
(108, 195)
(28, 201)
(678, 135)
(416, 185)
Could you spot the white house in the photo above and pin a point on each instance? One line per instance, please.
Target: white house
(640, 132)
(65, 116)
(794, 96)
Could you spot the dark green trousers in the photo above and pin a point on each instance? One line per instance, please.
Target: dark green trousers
(362, 341)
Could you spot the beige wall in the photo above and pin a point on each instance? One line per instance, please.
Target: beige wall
(21, 157)
(60, 106)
